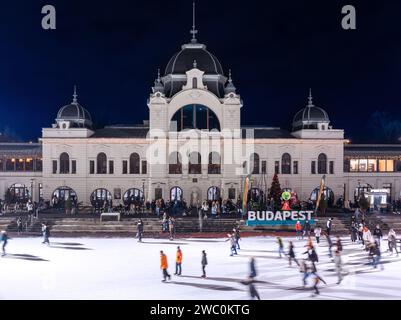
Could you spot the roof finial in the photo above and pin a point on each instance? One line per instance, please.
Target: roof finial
(75, 96)
(158, 75)
(195, 64)
(310, 99)
(230, 78)
(194, 31)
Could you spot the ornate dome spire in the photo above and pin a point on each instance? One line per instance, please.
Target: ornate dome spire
(230, 88)
(158, 84)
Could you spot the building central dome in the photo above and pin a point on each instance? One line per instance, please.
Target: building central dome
(310, 117)
(183, 61)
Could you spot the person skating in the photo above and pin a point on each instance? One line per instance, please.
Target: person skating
(316, 279)
(307, 228)
(164, 266)
(330, 245)
(204, 263)
(339, 244)
(329, 226)
(291, 254)
(354, 232)
(46, 234)
(178, 262)
(392, 241)
(231, 239)
(237, 237)
(378, 234)
(19, 225)
(377, 256)
(338, 265)
(305, 269)
(139, 227)
(280, 246)
(298, 229)
(318, 232)
(4, 239)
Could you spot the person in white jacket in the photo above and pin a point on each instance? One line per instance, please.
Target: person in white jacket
(367, 236)
(318, 232)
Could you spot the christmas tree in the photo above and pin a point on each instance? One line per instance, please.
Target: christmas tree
(275, 192)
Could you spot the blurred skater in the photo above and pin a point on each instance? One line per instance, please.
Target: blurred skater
(4, 239)
(204, 263)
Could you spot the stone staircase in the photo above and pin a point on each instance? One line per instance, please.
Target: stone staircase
(90, 226)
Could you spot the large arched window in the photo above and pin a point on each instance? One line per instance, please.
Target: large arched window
(195, 163)
(175, 163)
(254, 163)
(64, 163)
(101, 163)
(134, 164)
(194, 116)
(286, 164)
(322, 164)
(214, 166)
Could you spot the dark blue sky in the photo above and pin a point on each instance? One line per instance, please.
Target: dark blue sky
(112, 49)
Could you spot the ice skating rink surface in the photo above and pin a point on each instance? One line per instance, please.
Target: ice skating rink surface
(123, 269)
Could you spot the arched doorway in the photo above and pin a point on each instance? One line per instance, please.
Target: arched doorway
(18, 193)
(99, 197)
(213, 194)
(176, 194)
(133, 196)
(328, 195)
(62, 194)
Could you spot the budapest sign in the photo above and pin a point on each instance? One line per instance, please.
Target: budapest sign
(278, 218)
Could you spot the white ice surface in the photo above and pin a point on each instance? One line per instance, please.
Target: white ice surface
(87, 268)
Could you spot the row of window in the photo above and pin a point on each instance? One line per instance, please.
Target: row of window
(290, 167)
(20, 165)
(135, 166)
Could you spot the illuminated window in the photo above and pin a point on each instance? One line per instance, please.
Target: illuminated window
(354, 163)
(363, 165)
(372, 165)
(390, 165)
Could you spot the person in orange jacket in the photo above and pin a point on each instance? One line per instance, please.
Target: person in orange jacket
(164, 266)
(298, 229)
(178, 262)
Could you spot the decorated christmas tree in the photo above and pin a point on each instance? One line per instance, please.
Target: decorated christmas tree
(275, 192)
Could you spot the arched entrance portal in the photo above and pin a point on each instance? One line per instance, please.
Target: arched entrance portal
(328, 195)
(133, 196)
(213, 194)
(63, 194)
(18, 193)
(100, 197)
(176, 194)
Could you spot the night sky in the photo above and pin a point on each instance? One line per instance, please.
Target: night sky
(112, 49)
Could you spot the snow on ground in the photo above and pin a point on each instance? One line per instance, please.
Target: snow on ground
(87, 268)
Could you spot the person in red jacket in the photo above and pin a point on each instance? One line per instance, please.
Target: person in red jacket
(178, 262)
(164, 266)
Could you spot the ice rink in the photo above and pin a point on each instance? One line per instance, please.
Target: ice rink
(88, 268)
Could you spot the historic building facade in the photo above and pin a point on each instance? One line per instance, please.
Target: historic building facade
(193, 147)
